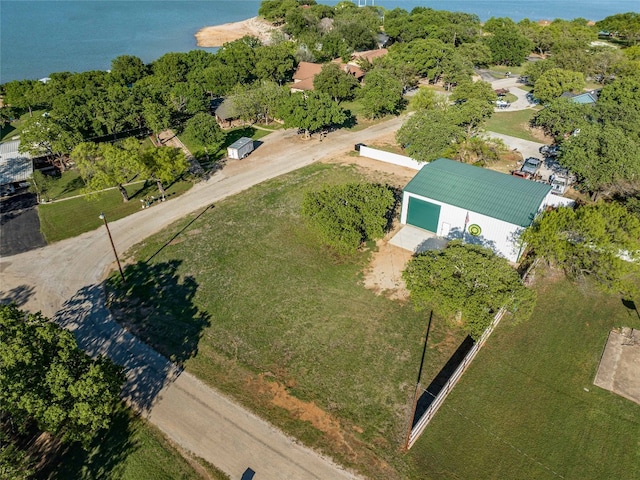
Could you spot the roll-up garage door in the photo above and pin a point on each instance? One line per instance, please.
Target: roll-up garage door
(423, 214)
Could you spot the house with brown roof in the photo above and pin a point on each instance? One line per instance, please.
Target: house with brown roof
(369, 55)
(306, 71)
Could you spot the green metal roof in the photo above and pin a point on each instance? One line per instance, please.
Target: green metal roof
(505, 197)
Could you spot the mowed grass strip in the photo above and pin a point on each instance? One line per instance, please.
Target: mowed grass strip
(282, 308)
(69, 218)
(529, 397)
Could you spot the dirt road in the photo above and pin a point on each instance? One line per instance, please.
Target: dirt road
(63, 280)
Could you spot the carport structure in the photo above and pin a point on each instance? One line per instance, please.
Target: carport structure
(14, 165)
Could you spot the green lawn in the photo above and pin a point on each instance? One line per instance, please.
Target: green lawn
(69, 218)
(15, 128)
(529, 398)
(131, 449)
(512, 123)
(245, 298)
(67, 185)
(249, 289)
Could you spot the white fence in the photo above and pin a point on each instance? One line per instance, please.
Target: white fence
(419, 427)
(389, 157)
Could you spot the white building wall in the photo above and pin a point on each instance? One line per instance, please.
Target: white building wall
(502, 237)
(389, 157)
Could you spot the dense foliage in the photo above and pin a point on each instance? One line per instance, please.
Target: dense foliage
(469, 282)
(46, 378)
(347, 215)
(601, 240)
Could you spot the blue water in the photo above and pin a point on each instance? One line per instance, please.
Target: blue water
(40, 37)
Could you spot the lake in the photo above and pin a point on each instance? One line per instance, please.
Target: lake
(40, 37)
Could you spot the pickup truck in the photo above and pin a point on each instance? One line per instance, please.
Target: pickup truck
(529, 168)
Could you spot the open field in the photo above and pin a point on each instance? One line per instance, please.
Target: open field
(248, 301)
(131, 449)
(69, 218)
(529, 397)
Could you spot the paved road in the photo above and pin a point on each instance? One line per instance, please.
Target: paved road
(20, 224)
(63, 280)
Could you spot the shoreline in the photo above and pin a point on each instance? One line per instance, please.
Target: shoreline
(218, 35)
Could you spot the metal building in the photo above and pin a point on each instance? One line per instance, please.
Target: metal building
(459, 201)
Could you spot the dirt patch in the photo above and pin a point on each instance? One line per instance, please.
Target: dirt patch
(306, 411)
(384, 273)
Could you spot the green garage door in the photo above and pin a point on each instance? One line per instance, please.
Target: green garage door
(423, 214)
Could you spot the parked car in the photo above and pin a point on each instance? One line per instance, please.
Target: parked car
(550, 150)
(559, 184)
(531, 166)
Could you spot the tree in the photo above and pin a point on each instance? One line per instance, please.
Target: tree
(45, 377)
(428, 99)
(157, 117)
(555, 82)
(604, 158)
(127, 69)
(381, 94)
(601, 240)
(310, 112)
(170, 68)
(426, 56)
(345, 216)
(508, 46)
(258, 101)
(469, 282)
(164, 165)
(276, 10)
(39, 183)
(624, 25)
(429, 135)
(335, 82)
(23, 94)
(105, 165)
(203, 129)
(46, 136)
(562, 116)
(619, 105)
(275, 63)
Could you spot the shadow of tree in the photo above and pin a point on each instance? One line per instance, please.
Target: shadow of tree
(18, 295)
(96, 331)
(106, 456)
(157, 306)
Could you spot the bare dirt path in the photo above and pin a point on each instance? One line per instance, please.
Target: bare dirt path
(63, 280)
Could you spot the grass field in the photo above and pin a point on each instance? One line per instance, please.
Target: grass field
(248, 301)
(269, 309)
(512, 123)
(529, 398)
(131, 449)
(69, 218)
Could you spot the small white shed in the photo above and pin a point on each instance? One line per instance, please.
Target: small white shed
(240, 148)
(482, 206)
